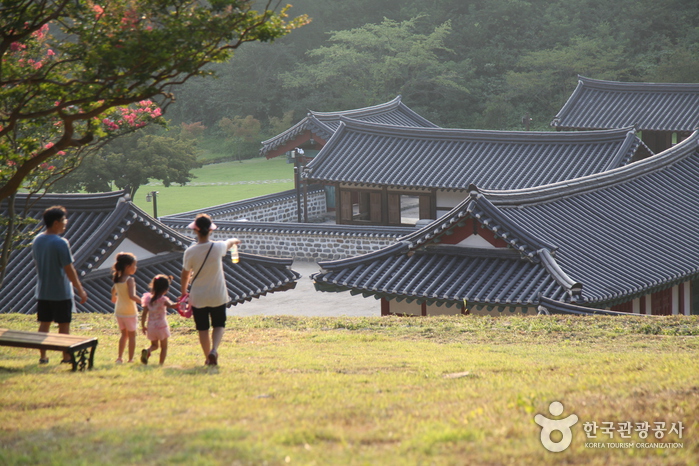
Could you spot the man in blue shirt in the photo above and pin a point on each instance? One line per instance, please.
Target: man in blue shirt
(57, 276)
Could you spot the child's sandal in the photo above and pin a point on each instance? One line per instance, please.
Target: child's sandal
(145, 354)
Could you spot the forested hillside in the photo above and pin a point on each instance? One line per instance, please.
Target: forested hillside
(460, 63)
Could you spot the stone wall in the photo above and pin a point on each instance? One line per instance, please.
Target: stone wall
(312, 242)
(264, 225)
(279, 207)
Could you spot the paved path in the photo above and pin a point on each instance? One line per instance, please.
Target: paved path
(304, 300)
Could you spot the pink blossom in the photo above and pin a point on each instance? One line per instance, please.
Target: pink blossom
(110, 124)
(17, 46)
(39, 34)
(48, 145)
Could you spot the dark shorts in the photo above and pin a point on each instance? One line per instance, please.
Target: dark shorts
(201, 317)
(60, 312)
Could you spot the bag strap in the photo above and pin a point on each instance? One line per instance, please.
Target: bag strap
(202, 266)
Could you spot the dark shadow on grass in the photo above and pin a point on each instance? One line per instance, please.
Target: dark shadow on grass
(197, 370)
(11, 370)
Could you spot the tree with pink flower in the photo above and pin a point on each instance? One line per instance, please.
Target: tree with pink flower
(74, 74)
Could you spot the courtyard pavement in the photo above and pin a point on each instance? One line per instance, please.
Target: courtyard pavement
(304, 300)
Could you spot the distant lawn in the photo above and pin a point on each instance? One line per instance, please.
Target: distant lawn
(215, 184)
(360, 391)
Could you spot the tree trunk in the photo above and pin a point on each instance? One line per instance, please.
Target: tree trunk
(7, 242)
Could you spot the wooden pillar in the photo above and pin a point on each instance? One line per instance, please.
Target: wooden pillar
(385, 307)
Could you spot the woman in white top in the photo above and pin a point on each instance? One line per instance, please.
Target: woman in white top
(203, 263)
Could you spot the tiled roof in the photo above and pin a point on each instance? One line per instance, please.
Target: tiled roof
(441, 275)
(598, 240)
(98, 225)
(252, 277)
(420, 266)
(597, 104)
(324, 124)
(385, 155)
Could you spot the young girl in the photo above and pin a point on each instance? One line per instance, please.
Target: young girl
(154, 306)
(125, 299)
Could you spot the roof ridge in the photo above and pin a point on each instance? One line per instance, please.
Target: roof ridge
(104, 198)
(637, 85)
(551, 306)
(391, 104)
(100, 235)
(571, 286)
(500, 136)
(554, 191)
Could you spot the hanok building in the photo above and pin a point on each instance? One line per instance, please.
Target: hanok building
(664, 113)
(102, 225)
(312, 133)
(394, 175)
(626, 239)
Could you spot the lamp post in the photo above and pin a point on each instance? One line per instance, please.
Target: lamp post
(154, 196)
(296, 155)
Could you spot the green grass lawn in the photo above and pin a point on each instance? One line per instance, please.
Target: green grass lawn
(297, 390)
(221, 183)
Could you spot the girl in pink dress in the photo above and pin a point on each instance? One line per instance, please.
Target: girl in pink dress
(155, 306)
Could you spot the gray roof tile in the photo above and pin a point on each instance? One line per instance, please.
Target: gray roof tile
(373, 154)
(597, 104)
(98, 224)
(598, 240)
(324, 124)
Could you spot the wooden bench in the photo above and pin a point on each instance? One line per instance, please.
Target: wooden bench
(74, 345)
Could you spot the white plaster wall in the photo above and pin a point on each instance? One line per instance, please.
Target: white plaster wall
(434, 310)
(404, 307)
(126, 246)
(446, 200)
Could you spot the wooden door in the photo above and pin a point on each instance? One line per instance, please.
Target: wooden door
(393, 209)
(375, 208)
(426, 207)
(345, 206)
(661, 302)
